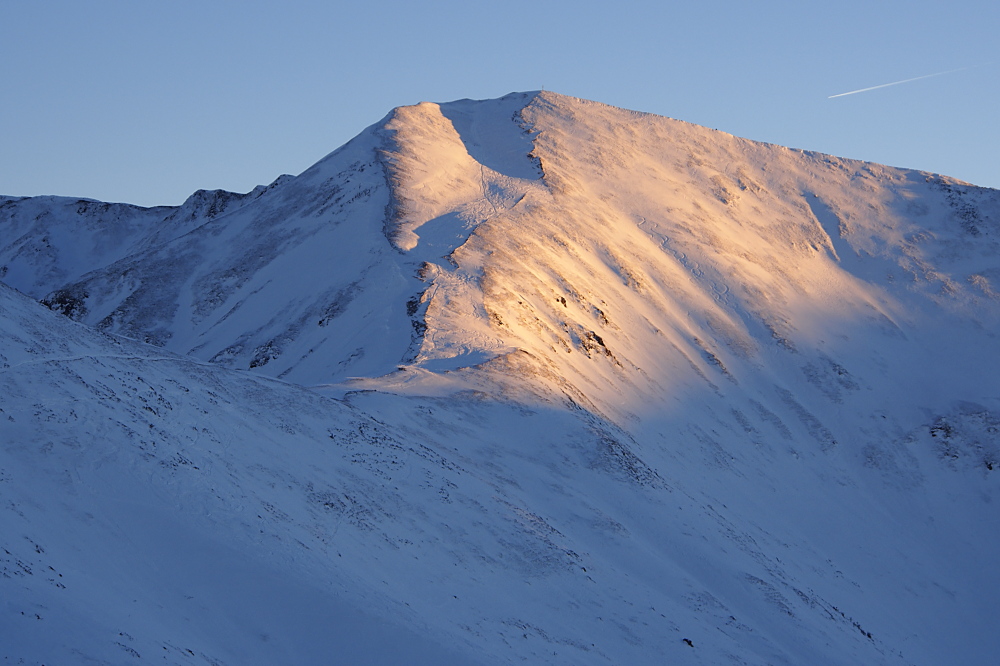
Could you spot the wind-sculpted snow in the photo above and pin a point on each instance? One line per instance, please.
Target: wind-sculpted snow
(589, 386)
(311, 279)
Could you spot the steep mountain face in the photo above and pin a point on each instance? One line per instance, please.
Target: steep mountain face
(589, 386)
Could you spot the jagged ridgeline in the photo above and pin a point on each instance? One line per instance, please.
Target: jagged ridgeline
(560, 383)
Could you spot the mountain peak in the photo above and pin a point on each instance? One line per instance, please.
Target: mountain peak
(711, 399)
(534, 222)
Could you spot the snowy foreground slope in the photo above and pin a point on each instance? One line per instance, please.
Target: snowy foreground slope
(521, 380)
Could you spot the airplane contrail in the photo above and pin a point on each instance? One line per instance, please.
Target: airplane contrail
(896, 83)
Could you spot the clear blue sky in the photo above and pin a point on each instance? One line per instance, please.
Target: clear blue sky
(145, 101)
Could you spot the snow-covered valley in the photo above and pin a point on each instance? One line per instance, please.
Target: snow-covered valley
(532, 380)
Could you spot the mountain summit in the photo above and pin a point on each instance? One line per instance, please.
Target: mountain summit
(559, 382)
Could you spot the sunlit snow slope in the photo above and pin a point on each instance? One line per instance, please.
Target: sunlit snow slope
(587, 386)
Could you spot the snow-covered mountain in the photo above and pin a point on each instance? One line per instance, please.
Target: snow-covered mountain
(527, 379)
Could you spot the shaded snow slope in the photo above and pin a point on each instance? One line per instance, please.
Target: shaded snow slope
(142, 517)
(590, 386)
(157, 507)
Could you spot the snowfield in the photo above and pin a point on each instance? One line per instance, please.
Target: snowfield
(525, 380)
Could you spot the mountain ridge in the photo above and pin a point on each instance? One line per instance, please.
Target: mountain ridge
(559, 382)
